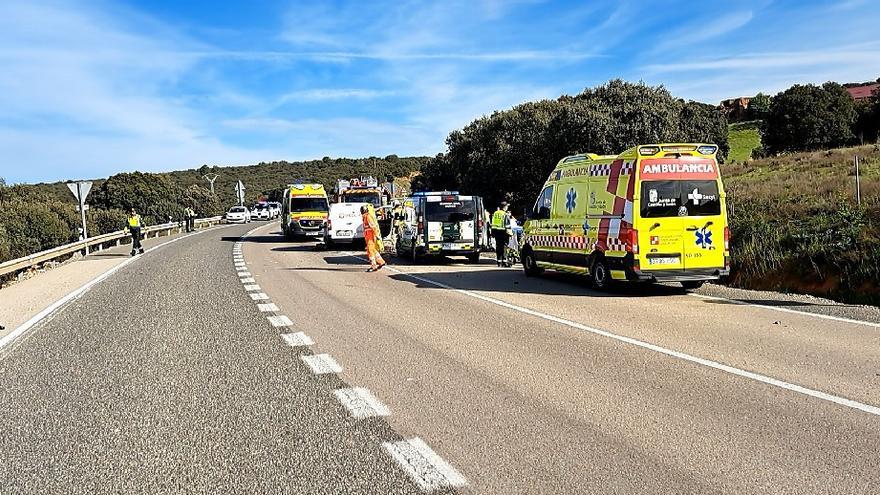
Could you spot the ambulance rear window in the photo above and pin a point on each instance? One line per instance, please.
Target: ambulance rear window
(450, 211)
(679, 198)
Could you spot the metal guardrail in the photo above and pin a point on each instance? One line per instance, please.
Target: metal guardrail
(100, 241)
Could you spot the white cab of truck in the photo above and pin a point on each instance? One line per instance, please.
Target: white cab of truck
(344, 224)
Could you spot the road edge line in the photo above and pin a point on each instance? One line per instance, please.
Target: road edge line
(843, 401)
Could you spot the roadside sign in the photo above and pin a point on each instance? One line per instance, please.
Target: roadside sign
(239, 192)
(80, 190)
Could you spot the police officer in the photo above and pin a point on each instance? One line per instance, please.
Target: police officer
(501, 232)
(134, 227)
(190, 219)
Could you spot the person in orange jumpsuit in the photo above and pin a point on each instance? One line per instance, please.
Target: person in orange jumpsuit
(373, 239)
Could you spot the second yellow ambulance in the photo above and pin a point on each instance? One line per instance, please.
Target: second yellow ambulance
(654, 213)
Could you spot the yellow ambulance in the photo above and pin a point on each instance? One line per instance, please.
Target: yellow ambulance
(304, 210)
(654, 213)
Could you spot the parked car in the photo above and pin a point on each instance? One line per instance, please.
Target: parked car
(275, 208)
(238, 214)
(262, 212)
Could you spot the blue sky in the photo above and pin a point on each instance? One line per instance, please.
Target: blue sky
(92, 88)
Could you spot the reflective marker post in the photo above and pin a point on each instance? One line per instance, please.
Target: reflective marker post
(858, 182)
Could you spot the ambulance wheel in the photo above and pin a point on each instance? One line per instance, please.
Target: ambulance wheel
(473, 258)
(692, 284)
(600, 275)
(530, 265)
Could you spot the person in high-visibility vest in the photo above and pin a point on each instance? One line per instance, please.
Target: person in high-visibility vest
(373, 239)
(134, 227)
(501, 232)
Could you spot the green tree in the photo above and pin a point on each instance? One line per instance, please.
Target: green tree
(759, 106)
(809, 117)
(154, 196)
(507, 155)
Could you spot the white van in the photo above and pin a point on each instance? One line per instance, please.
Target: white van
(344, 223)
(441, 224)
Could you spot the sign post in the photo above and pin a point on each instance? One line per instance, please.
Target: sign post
(80, 190)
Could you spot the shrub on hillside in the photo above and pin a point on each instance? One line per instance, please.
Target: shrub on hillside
(32, 227)
(809, 117)
(106, 221)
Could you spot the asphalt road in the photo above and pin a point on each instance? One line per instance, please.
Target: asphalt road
(532, 386)
(165, 378)
(169, 378)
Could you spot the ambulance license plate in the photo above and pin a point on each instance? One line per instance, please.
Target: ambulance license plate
(343, 233)
(664, 261)
(450, 245)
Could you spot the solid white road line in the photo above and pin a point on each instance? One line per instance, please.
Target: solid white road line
(322, 364)
(259, 296)
(251, 287)
(24, 327)
(423, 465)
(279, 321)
(267, 308)
(248, 280)
(297, 339)
(868, 408)
(361, 403)
(787, 310)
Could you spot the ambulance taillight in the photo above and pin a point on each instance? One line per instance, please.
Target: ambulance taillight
(727, 238)
(633, 246)
(421, 223)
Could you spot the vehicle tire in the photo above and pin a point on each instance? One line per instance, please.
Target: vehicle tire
(692, 284)
(600, 275)
(530, 264)
(473, 258)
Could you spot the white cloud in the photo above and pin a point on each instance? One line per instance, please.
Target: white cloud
(327, 94)
(83, 91)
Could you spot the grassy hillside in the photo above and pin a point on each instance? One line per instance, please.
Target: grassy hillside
(796, 226)
(743, 137)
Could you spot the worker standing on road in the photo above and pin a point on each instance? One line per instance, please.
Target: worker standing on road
(134, 227)
(190, 215)
(501, 232)
(373, 239)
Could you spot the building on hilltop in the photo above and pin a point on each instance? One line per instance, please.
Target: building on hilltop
(862, 92)
(735, 108)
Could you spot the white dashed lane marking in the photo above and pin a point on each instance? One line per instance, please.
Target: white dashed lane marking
(322, 364)
(244, 274)
(423, 465)
(259, 296)
(247, 280)
(251, 287)
(297, 339)
(267, 307)
(361, 403)
(279, 321)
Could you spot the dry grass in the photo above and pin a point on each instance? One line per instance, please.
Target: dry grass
(796, 226)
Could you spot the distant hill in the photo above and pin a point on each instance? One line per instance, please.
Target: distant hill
(261, 180)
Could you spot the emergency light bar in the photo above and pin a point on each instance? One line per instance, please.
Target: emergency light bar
(708, 149)
(649, 150)
(434, 193)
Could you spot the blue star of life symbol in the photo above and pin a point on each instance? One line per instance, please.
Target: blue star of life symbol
(704, 238)
(571, 200)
